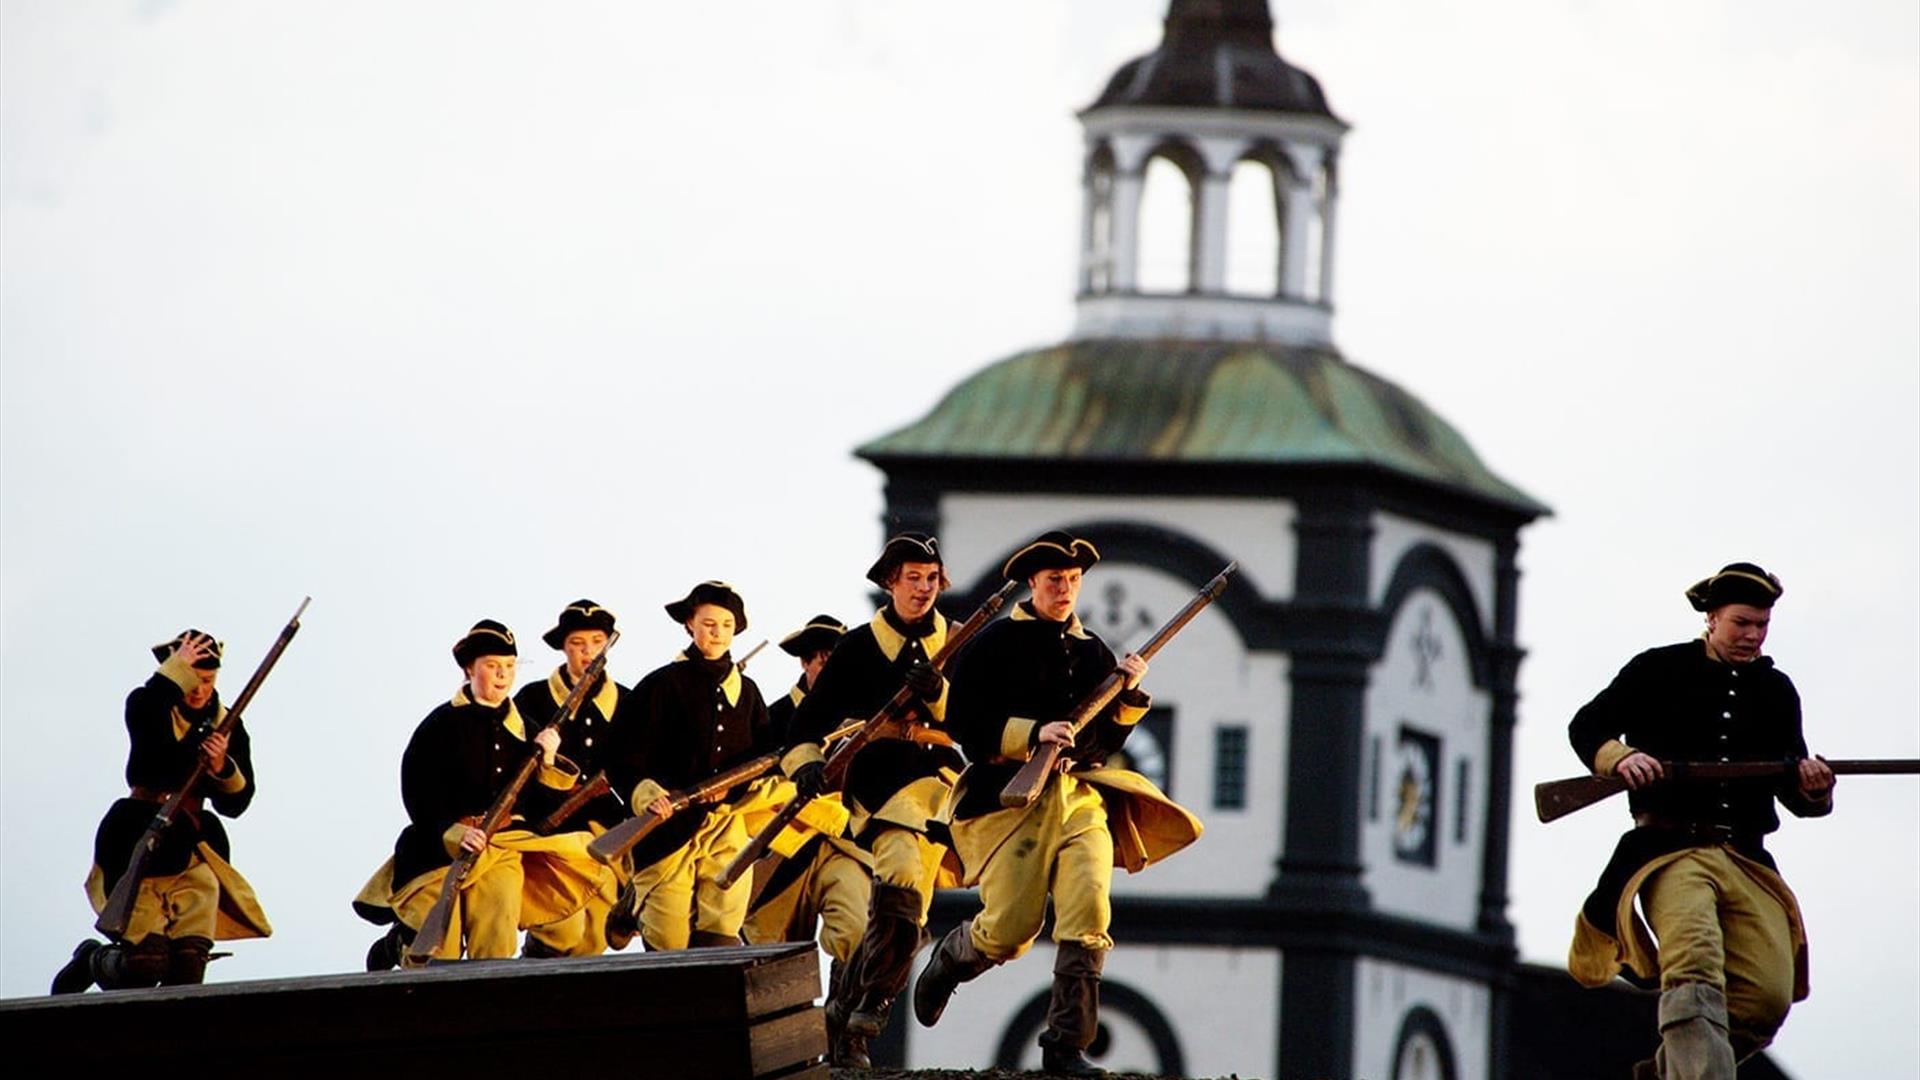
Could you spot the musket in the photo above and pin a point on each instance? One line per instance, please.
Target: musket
(433, 929)
(1027, 783)
(118, 913)
(1555, 799)
(619, 840)
(581, 795)
(742, 662)
(891, 719)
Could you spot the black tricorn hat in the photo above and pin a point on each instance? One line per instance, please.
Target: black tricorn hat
(209, 662)
(1736, 583)
(904, 548)
(1054, 550)
(710, 592)
(819, 635)
(579, 615)
(487, 638)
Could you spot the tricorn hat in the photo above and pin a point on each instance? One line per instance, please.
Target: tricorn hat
(209, 662)
(1054, 550)
(819, 635)
(579, 615)
(904, 548)
(487, 638)
(1736, 583)
(710, 592)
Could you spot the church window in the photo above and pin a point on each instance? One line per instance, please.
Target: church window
(1230, 767)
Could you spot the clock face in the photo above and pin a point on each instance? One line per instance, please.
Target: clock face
(1416, 763)
(1146, 748)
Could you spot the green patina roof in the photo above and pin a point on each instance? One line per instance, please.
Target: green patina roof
(1195, 402)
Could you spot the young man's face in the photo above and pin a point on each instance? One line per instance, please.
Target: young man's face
(202, 692)
(810, 667)
(1736, 631)
(916, 585)
(490, 679)
(581, 647)
(711, 629)
(1055, 592)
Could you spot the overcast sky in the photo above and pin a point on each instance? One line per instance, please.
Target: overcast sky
(442, 311)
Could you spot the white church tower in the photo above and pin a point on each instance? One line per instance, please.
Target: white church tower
(1342, 718)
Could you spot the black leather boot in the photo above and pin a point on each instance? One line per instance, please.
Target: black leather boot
(623, 921)
(77, 975)
(884, 960)
(954, 961)
(386, 951)
(132, 967)
(1073, 1014)
(187, 962)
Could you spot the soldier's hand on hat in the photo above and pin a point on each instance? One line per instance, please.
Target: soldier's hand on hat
(213, 751)
(924, 681)
(1638, 770)
(810, 779)
(473, 841)
(548, 740)
(194, 648)
(1134, 667)
(1816, 777)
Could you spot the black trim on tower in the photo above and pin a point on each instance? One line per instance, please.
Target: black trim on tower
(1500, 733)
(1428, 566)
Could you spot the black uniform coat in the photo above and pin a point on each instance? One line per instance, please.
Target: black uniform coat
(163, 738)
(867, 668)
(587, 742)
(679, 726)
(780, 713)
(1678, 703)
(458, 760)
(1019, 674)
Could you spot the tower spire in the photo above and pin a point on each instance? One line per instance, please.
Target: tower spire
(1213, 95)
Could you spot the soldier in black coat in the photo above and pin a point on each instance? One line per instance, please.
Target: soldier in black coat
(1723, 933)
(897, 790)
(191, 896)
(684, 722)
(580, 633)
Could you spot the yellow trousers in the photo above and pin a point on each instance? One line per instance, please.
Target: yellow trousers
(180, 905)
(834, 892)
(1717, 926)
(681, 892)
(908, 860)
(1060, 848)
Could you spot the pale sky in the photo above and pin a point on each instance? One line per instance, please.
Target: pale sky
(451, 310)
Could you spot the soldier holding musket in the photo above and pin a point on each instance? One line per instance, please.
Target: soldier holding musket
(824, 877)
(1013, 690)
(190, 896)
(580, 633)
(896, 789)
(1723, 933)
(458, 761)
(684, 722)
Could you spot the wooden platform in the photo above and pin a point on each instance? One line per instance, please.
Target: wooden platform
(703, 1014)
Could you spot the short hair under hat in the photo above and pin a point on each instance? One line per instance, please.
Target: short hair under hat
(905, 548)
(710, 592)
(579, 615)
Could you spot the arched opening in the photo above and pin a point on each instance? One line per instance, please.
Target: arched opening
(1169, 216)
(1097, 238)
(1253, 227)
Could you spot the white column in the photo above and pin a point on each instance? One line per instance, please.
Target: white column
(1125, 249)
(1305, 160)
(1326, 247)
(1210, 234)
(1089, 252)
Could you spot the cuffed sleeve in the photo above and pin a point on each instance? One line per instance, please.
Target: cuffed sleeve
(561, 775)
(179, 672)
(806, 753)
(937, 708)
(1610, 754)
(455, 833)
(233, 781)
(1016, 739)
(1130, 706)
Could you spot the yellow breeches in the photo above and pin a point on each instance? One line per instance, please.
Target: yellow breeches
(180, 905)
(681, 892)
(834, 891)
(1718, 925)
(908, 860)
(520, 880)
(1061, 846)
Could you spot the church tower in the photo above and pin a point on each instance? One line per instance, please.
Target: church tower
(1342, 718)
